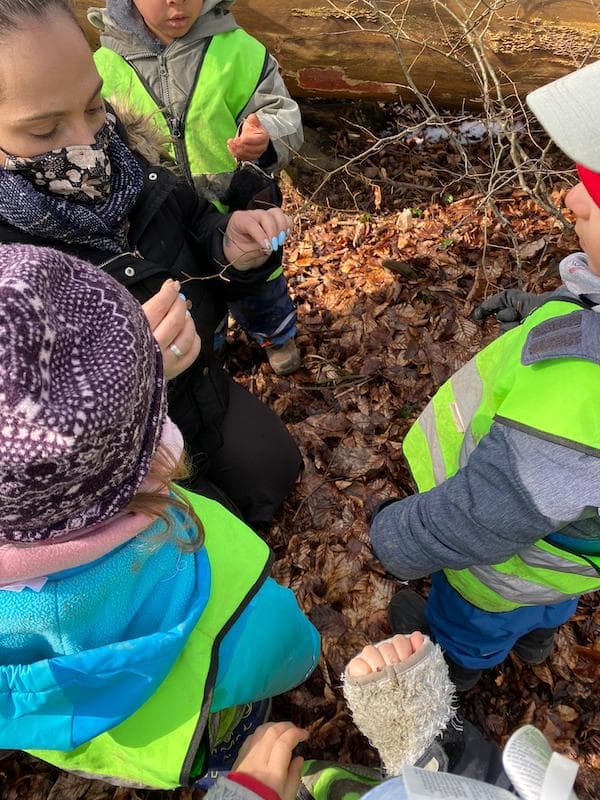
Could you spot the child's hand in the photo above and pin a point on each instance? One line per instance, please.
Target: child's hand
(173, 328)
(374, 657)
(251, 237)
(251, 142)
(267, 756)
(510, 307)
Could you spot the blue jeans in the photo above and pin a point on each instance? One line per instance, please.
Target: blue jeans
(268, 315)
(479, 639)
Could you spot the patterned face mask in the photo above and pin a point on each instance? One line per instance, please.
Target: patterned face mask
(81, 173)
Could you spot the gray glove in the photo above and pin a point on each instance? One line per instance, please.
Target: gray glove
(510, 307)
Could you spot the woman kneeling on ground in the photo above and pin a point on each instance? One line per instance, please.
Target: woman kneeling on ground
(135, 617)
(69, 179)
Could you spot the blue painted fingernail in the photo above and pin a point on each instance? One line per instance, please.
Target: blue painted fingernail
(274, 243)
(281, 237)
(182, 296)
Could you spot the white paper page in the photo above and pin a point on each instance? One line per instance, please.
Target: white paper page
(526, 759)
(424, 785)
(559, 779)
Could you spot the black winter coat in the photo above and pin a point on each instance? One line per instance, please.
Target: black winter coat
(174, 234)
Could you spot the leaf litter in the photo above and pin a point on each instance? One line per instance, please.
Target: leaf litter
(385, 294)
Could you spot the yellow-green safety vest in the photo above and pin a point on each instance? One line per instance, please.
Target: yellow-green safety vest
(533, 397)
(158, 745)
(227, 78)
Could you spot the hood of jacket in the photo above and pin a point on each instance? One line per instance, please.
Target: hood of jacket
(84, 651)
(142, 134)
(122, 28)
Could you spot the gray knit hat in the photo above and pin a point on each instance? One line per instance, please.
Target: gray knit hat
(569, 110)
(82, 394)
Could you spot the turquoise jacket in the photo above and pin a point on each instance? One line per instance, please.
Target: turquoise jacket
(85, 652)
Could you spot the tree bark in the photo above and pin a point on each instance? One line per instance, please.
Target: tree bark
(356, 49)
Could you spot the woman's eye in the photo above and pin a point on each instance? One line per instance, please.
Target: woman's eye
(45, 135)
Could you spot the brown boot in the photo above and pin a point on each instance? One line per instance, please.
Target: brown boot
(284, 358)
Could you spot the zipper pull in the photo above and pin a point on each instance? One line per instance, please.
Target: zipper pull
(176, 127)
(162, 68)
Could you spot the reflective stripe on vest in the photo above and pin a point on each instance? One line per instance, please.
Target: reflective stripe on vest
(446, 426)
(157, 746)
(227, 77)
(496, 384)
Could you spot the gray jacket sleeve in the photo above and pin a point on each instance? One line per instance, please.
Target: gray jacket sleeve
(516, 488)
(278, 113)
(224, 789)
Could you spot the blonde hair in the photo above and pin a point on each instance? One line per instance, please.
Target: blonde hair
(164, 471)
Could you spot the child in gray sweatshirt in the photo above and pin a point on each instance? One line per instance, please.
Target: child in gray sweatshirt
(506, 455)
(216, 95)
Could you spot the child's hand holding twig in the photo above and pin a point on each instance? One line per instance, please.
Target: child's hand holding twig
(251, 142)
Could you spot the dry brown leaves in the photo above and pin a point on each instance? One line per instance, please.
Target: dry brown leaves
(385, 309)
(385, 316)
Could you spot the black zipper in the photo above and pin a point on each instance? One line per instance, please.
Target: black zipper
(182, 119)
(196, 738)
(175, 124)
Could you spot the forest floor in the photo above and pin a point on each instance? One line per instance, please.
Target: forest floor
(386, 266)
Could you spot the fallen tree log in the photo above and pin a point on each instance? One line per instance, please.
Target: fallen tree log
(373, 49)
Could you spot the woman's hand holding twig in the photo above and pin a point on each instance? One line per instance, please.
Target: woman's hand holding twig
(252, 236)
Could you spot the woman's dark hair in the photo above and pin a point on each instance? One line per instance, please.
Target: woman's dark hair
(12, 12)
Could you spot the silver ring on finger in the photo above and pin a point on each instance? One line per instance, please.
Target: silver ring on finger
(176, 351)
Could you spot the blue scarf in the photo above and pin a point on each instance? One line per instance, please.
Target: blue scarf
(47, 216)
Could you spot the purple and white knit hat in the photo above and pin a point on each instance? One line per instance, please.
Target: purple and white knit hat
(82, 394)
